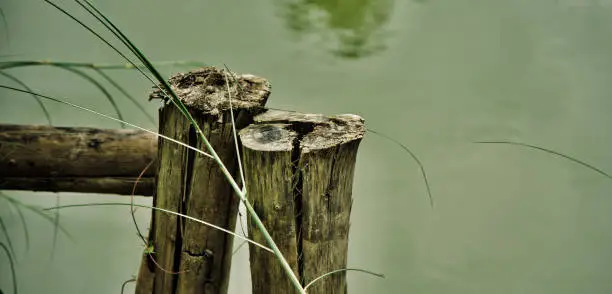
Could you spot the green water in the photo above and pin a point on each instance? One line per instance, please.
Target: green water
(435, 75)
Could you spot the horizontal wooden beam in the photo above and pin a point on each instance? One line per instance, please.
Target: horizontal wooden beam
(67, 159)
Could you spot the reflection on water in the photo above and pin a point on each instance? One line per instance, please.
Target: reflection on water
(347, 29)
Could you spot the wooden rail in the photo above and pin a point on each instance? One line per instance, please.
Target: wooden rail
(67, 159)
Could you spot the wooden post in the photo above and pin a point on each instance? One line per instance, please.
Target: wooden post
(193, 184)
(67, 159)
(299, 175)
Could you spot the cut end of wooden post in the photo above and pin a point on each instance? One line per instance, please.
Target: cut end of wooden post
(206, 90)
(317, 131)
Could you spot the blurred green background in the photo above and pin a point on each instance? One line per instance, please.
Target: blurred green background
(435, 75)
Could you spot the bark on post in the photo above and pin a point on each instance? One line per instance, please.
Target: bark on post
(193, 184)
(299, 175)
(68, 159)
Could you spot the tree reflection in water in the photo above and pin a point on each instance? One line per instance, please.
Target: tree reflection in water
(347, 28)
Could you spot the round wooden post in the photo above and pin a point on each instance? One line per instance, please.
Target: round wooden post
(191, 257)
(299, 175)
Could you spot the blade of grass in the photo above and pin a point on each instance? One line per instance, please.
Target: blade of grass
(70, 66)
(132, 210)
(343, 270)
(24, 224)
(102, 89)
(229, 94)
(570, 158)
(90, 8)
(99, 69)
(9, 55)
(165, 211)
(100, 38)
(23, 85)
(12, 264)
(163, 269)
(416, 159)
(101, 66)
(93, 11)
(239, 247)
(132, 280)
(165, 88)
(36, 210)
(8, 237)
(79, 73)
(6, 30)
(56, 224)
(126, 94)
(242, 226)
(238, 156)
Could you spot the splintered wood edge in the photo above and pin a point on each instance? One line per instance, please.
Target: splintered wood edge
(205, 90)
(318, 131)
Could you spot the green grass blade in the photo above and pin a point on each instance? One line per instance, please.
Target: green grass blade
(24, 224)
(12, 264)
(8, 237)
(92, 10)
(99, 37)
(132, 210)
(70, 66)
(126, 94)
(126, 41)
(11, 64)
(102, 66)
(9, 55)
(416, 159)
(132, 280)
(239, 247)
(102, 19)
(79, 73)
(549, 151)
(23, 85)
(343, 270)
(229, 94)
(186, 63)
(108, 96)
(36, 210)
(165, 211)
(110, 26)
(6, 30)
(238, 156)
(56, 224)
(168, 91)
(102, 89)
(108, 117)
